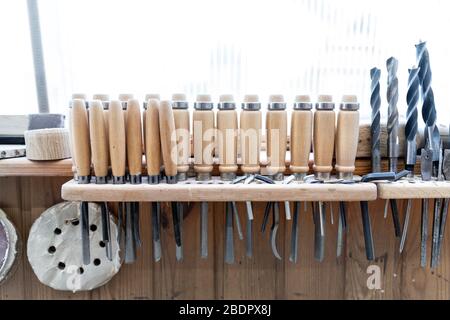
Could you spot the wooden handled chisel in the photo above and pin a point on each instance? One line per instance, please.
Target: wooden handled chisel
(82, 150)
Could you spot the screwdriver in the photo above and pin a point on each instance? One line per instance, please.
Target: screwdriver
(203, 135)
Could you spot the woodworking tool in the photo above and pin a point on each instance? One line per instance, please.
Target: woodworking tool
(323, 144)
(80, 131)
(430, 152)
(392, 129)
(83, 97)
(144, 110)
(368, 238)
(169, 155)
(203, 135)
(412, 99)
(153, 158)
(181, 115)
(117, 152)
(300, 147)
(100, 157)
(104, 98)
(444, 213)
(250, 134)
(227, 127)
(347, 136)
(375, 128)
(134, 159)
(437, 218)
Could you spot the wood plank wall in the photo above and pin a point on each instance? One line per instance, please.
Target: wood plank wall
(263, 277)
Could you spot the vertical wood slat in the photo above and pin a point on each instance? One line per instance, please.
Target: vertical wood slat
(262, 277)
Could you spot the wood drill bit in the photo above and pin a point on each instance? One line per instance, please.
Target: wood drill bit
(412, 99)
(392, 128)
(375, 130)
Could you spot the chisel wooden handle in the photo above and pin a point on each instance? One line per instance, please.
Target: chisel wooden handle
(227, 126)
(324, 130)
(72, 149)
(203, 129)
(153, 142)
(250, 134)
(104, 98)
(301, 136)
(276, 126)
(347, 136)
(168, 140)
(82, 149)
(182, 126)
(117, 141)
(99, 141)
(144, 113)
(134, 140)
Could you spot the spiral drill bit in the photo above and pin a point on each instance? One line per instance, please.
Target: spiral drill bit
(375, 131)
(392, 129)
(412, 99)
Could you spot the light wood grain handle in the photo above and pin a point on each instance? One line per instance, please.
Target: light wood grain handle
(117, 139)
(182, 125)
(168, 138)
(227, 128)
(347, 136)
(301, 140)
(99, 139)
(250, 130)
(134, 138)
(203, 129)
(276, 125)
(81, 147)
(324, 130)
(152, 138)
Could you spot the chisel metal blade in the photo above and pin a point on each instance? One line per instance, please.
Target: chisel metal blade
(130, 244)
(204, 230)
(395, 217)
(405, 225)
(266, 216)
(85, 242)
(319, 239)
(229, 242)
(436, 226)
(237, 220)
(106, 229)
(442, 227)
(156, 232)
(136, 224)
(424, 234)
(274, 230)
(340, 237)
(179, 249)
(293, 257)
(120, 223)
(367, 229)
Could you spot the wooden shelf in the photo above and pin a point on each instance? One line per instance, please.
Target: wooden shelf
(418, 189)
(219, 192)
(20, 167)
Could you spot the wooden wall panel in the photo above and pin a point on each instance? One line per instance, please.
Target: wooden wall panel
(262, 277)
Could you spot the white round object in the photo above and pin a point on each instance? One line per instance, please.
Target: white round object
(9, 246)
(54, 249)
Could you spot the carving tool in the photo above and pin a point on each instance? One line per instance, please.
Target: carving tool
(100, 157)
(203, 134)
(144, 111)
(347, 136)
(82, 150)
(83, 97)
(250, 134)
(392, 129)
(153, 159)
(412, 99)
(227, 127)
(134, 159)
(180, 108)
(169, 155)
(300, 147)
(323, 143)
(444, 213)
(437, 218)
(117, 152)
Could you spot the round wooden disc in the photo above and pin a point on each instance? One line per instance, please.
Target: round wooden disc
(54, 249)
(9, 246)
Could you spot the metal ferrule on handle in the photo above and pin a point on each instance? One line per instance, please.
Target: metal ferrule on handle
(203, 106)
(274, 106)
(251, 106)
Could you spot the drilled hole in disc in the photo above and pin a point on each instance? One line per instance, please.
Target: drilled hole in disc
(80, 270)
(52, 250)
(61, 266)
(97, 262)
(93, 227)
(57, 231)
(102, 244)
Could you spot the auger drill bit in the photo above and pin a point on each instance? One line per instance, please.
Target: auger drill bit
(412, 99)
(392, 128)
(432, 140)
